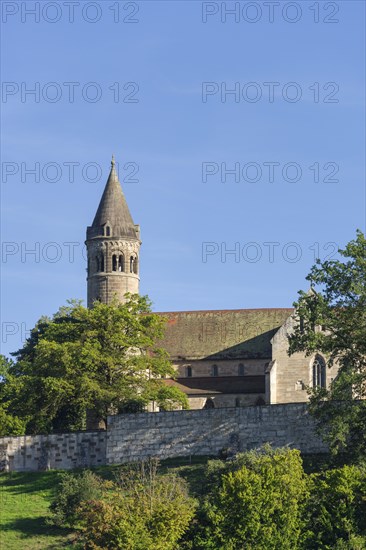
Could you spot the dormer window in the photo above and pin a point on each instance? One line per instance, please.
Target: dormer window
(108, 231)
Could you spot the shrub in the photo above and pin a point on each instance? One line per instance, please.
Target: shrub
(74, 489)
(144, 511)
(258, 503)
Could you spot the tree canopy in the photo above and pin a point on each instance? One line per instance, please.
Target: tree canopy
(102, 360)
(331, 319)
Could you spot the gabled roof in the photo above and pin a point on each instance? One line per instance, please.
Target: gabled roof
(222, 334)
(113, 211)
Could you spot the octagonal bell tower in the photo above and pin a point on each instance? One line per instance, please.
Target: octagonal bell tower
(113, 247)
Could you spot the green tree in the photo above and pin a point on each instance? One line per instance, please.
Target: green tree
(331, 319)
(9, 423)
(97, 360)
(258, 503)
(336, 509)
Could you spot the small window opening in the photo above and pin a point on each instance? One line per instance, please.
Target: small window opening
(108, 231)
(114, 262)
(189, 372)
(215, 370)
(241, 370)
(121, 263)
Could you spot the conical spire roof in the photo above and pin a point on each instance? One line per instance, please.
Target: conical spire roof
(113, 211)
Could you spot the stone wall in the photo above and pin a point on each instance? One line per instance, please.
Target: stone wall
(54, 451)
(206, 432)
(132, 437)
(289, 376)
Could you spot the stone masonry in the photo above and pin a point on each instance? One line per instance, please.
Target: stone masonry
(132, 437)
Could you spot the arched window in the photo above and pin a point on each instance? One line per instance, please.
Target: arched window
(319, 372)
(189, 372)
(121, 262)
(102, 262)
(114, 262)
(214, 370)
(97, 264)
(241, 370)
(209, 404)
(135, 265)
(131, 264)
(108, 231)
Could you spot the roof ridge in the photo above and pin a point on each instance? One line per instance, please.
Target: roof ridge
(227, 310)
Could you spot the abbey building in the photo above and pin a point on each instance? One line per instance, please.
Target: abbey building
(223, 358)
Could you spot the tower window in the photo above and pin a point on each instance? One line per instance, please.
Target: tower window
(214, 370)
(97, 264)
(241, 369)
(319, 372)
(108, 231)
(121, 263)
(102, 262)
(133, 264)
(114, 262)
(189, 372)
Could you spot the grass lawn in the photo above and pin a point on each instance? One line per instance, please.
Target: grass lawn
(26, 496)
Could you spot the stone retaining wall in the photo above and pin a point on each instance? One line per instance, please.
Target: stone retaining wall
(54, 451)
(132, 437)
(206, 432)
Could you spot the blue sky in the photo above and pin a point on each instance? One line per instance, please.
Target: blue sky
(165, 125)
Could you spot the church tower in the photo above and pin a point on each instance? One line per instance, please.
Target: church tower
(113, 245)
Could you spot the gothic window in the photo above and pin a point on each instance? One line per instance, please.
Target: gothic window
(189, 372)
(214, 370)
(319, 372)
(114, 262)
(241, 370)
(121, 263)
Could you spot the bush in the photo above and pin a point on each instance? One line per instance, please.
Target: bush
(144, 511)
(74, 489)
(258, 503)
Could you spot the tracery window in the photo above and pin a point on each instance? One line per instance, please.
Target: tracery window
(319, 372)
